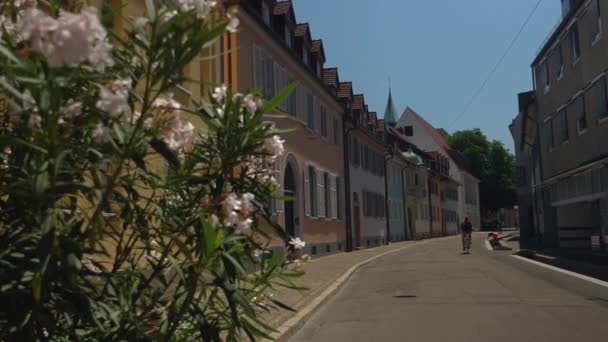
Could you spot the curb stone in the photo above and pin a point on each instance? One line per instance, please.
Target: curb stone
(287, 329)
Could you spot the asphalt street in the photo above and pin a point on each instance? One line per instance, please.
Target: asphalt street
(432, 292)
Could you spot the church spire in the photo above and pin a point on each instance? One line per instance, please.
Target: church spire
(390, 114)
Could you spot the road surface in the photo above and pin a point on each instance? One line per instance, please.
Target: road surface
(432, 292)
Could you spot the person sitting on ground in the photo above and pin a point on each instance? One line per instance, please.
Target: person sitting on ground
(467, 229)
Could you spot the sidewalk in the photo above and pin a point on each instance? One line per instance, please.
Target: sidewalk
(322, 274)
(587, 262)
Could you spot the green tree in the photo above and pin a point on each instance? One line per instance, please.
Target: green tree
(492, 163)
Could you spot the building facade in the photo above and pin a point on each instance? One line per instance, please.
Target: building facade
(272, 51)
(434, 140)
(572, 105)
(367, 193)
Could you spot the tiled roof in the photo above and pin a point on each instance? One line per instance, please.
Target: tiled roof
(282, 7)
(300, 30)
(373, 117)
(345, 90)
(358, 102)
(316, 45)
(330, 76)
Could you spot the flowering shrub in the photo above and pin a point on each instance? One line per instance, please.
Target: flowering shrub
(118, 220)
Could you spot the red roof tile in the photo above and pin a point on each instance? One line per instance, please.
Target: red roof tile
(373, 117)
(346, 89)
(316, 45)
(300, 30)
(282, 7)
(358, 102)
(330, 76)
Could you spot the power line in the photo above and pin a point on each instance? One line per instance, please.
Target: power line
(487, 79)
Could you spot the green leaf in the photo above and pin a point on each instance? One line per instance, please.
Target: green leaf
(279, 98)
(161, 148)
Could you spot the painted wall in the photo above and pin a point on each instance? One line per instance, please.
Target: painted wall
(396, 205)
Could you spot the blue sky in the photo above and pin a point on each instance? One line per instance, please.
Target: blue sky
(437, 53)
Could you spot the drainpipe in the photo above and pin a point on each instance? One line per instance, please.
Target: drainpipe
(347, 204)
(404, 206)
(428, 192)
(386, 216)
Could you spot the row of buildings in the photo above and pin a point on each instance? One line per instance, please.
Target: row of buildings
(357, 180)
(561, 157)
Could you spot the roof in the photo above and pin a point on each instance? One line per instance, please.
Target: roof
(373, 117)
(390, 113)
(438, 136)
(317, 47)
(358, 102)
(282, 7)
(301, 30)
(345, 89)
(330, 76)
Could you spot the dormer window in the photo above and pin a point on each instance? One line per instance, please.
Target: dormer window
(266, 12)
(288, 36)
(305, 56)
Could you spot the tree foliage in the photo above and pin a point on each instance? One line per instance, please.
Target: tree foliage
(492, 163)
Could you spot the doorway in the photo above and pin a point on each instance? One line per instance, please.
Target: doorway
(290, 191)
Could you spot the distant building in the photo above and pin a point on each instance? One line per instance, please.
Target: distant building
(572, 115)
(451, 173)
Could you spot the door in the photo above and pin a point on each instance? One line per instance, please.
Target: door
(290, 191)
(410, 224)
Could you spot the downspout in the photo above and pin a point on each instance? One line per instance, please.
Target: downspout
(540, 162)
(404, 206)
(347, 204)
(428, 192)
(386, 216)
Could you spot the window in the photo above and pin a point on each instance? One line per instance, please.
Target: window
(328, 195)
(597, 34)
(266, 12)
(545, 76)
(549, 133)
(310, 118)
(323, 122)
(339, 200)
(312, 190)
(559, 62)
(288, 36)
(337, 130)
(575, 48)
(578, 108)
(562, 116)
(356, 154)
(416, 178)
(305, 56)
(599, 104)
(321, 194)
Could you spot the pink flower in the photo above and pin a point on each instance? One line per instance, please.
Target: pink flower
(297, 243)
(244, 227)
(72, 109)
(274, 145)
(34, 121)
(69, 39)
(101, 134)
(114, 98)
(233, 20)
(214, 221)
(219, 93)
(251, 104)
(231, 203)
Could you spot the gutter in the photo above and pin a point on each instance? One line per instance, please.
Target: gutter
(347, 204)
(386, 195)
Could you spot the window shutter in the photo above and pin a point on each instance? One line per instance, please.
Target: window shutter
(280, 204)
(258, 67)
(334, 198)
(307, 190)
(320, 194)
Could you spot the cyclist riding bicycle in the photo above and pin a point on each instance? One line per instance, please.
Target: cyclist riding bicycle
(467, 229)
